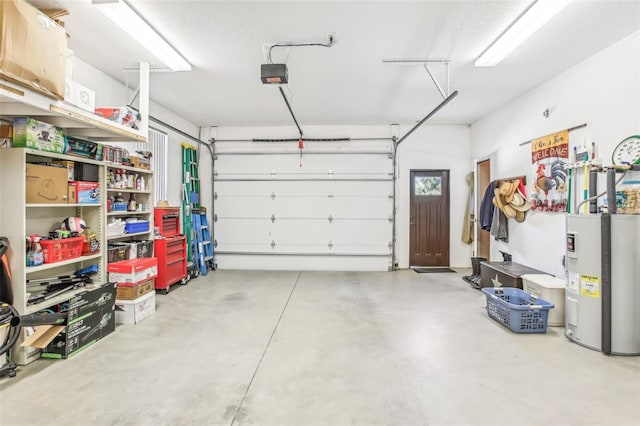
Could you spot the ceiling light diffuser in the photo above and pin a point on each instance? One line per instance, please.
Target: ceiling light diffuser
(126, 18)
(538, 14)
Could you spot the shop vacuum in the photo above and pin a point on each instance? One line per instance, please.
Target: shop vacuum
(602, 298)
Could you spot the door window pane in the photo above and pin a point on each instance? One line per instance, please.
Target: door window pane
(428, 185)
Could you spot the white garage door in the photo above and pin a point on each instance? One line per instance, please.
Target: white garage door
(329, 210)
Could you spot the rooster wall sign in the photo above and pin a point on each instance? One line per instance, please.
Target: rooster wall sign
(549, 156)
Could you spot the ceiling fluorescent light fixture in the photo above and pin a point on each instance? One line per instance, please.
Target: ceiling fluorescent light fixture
(531, 20)
(126, 18)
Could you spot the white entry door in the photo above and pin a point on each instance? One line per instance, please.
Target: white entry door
(330, 209)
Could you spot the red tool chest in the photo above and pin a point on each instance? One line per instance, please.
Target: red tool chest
(167, 220)
(170, 249)
(171, 253)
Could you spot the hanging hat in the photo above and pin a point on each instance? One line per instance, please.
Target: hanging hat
(505, 188)
(509, 211)
(512, 190)
(520, 202)
(520, 215)
(498, 199)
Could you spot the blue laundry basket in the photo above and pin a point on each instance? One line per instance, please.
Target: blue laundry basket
(517, 310)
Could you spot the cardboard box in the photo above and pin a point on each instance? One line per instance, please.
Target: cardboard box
(68, 74)
(46, 184)
(78, 95)
(133, 270)
(93, 299)
(124, 115)
(33, 48)
(91, 316)
(86, 172)
(83, 148)
(31, 133)
(87, 192)
(81, 333)
(72, 197)
(6, 134)
(134, 311)
(70, 165)
(6, 131)
(140, 163)
(132, 292)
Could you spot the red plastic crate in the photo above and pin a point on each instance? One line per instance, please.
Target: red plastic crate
(59, 250)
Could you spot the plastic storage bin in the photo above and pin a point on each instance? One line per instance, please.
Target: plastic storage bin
(118, 253)
(517, 310)
(137, 249)
(548, 288)
(118, 207)
(59, 250)
(137, 226)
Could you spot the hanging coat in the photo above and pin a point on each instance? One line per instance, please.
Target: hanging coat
(486, 208)
(467, 226)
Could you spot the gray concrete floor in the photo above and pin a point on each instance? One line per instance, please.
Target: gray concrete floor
(325, 348)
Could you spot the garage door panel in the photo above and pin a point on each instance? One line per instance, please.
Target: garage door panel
(304, 235)
(300, 200)
(303, 189)
(289, 165)
(348, 208)
(334, 205)
(307, 263)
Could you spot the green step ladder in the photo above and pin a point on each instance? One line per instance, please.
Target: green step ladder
(190, 194)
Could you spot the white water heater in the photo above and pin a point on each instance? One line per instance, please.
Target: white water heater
(602, 299)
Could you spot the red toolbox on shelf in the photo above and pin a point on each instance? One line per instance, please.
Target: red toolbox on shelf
(167, 221)
(171, 253)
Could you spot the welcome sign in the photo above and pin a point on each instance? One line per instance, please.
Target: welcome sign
(549, 155)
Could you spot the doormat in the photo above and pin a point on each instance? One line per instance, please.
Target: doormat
(432, 270)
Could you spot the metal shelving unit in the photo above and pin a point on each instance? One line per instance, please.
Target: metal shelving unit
(143, 196)
(19, 219)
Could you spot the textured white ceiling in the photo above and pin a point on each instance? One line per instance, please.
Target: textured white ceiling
(348, 83)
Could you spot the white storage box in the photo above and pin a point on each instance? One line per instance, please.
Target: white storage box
(134, 311)
(549, 288)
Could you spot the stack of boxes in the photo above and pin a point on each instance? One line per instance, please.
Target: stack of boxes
(135, 292)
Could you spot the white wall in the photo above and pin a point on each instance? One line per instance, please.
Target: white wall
(430, 147)
(110, 92)
(604, 93)
(443, 148)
